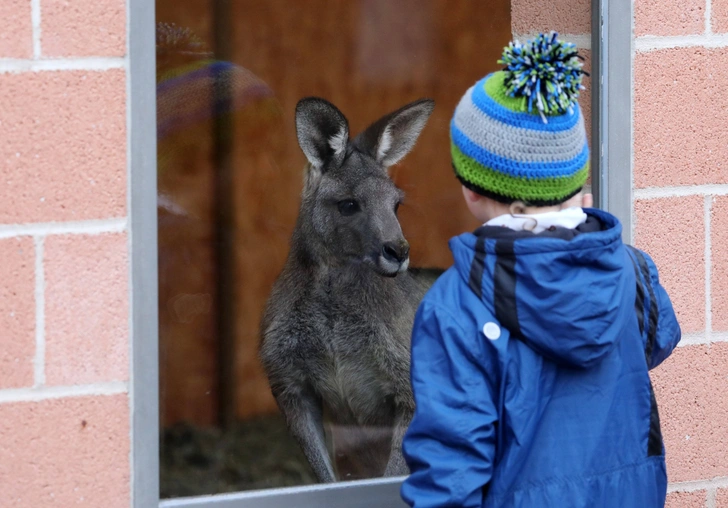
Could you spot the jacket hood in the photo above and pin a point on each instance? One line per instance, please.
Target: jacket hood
(567, 293)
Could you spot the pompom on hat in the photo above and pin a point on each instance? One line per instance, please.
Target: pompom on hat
(518, 134)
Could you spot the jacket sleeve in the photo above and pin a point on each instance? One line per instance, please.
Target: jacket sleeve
(450, 443)
(659, 326)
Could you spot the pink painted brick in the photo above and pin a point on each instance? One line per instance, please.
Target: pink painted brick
(721, 498)
(17, 312)
(564, 16)
(719, 263)
(680, 127)
(87, 310)
(719, 11)
(695, 499)
(16, 36)
(669, 17)
(63, 453)
(672, 232)
(690, 388)
(63, 150)
(73, 28)
(585, 96)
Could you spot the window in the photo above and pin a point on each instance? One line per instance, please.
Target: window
(229, 173)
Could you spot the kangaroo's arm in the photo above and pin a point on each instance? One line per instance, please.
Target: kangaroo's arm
(302, 410)
(397, 370)
(396, 465)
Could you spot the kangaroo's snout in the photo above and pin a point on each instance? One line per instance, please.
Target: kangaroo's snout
(396, 252)
(394, 258)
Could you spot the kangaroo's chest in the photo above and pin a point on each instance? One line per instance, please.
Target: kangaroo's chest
(353, 378)
(355, 394)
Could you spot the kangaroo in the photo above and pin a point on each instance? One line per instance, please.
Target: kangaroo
(337, 324)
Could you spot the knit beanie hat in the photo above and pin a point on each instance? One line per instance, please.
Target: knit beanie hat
(518, 134)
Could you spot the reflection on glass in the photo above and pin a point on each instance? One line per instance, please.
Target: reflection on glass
(230, 177)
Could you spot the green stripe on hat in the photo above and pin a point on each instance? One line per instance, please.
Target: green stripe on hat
(533, 190)
(496, 91)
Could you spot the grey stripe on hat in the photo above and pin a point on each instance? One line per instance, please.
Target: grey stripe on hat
(517, 143)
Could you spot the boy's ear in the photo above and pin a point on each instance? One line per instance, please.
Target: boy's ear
(583, 200)
(472, 197)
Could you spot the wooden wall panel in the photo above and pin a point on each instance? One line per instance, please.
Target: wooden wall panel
(368, 57)
(187, 359)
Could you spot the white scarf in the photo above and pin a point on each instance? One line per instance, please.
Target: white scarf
(569, 218)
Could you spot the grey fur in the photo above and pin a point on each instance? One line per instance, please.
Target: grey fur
(337, 324)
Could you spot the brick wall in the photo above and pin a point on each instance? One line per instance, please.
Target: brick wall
(64, 309)
(681, 218)
(64, 299)
(680, 211)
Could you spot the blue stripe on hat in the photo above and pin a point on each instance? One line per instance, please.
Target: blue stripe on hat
(490, 107)
(513, 168)
(517, 143)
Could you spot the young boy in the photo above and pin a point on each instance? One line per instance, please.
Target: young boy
(530, 356)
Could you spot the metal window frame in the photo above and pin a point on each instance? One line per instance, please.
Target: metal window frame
(612, 99)
(612, 22)
(142, 189)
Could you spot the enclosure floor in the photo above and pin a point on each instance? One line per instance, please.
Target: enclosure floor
(254, 454)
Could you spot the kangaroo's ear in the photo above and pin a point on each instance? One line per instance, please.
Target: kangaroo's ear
(392, 137)
(322, 131)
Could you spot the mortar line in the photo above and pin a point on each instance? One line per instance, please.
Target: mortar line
(39, 359)
(58, 392)
(720, 482)
(632, 214)
(88, 227)
(708, 15)
(582, 41)
(701, 338)
(648, 43)
(681, 191)
(14, 65)
(710, 501)
(35, 24)
(708, 207)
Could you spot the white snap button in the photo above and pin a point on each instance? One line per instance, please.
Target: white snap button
(491, 330)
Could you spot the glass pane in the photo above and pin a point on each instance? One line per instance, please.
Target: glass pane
(231, 174)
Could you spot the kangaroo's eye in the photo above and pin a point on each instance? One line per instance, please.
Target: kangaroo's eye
(348, 207)
(396, 207)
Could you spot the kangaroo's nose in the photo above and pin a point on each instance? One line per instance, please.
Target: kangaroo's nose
(396, 252)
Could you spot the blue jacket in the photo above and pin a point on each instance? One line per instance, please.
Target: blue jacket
(530, 361)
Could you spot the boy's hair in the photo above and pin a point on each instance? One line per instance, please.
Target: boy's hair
(518, 134)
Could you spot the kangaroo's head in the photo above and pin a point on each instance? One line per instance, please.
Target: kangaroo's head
(349, 204)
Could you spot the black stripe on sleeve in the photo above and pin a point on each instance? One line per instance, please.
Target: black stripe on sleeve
(504, 287)
(475, 280)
